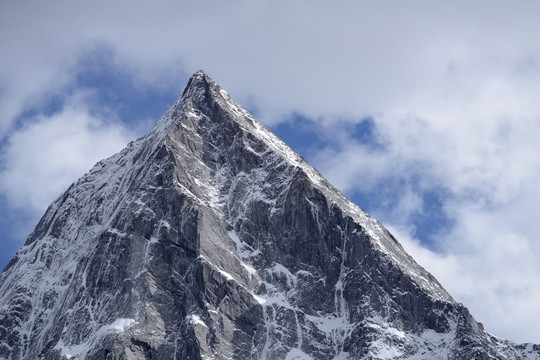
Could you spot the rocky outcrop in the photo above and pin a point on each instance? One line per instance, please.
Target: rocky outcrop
(209, 238)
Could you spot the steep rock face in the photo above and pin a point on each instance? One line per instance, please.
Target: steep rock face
(209, 238)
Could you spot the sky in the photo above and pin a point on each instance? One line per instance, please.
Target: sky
(424, 113)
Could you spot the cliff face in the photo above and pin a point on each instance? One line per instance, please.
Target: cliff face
(209, 238)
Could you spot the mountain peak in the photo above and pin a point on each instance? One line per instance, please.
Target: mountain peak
(199, 80)
(211, 238)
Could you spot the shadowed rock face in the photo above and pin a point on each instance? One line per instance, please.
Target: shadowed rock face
(209, 238)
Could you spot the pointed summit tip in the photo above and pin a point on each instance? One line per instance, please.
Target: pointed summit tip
(197, 80)
(199, 75)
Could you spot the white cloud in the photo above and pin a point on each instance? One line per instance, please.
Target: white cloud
(48, 153)
(482, 149)
(341, 59)
(490, 267)
(452, 88)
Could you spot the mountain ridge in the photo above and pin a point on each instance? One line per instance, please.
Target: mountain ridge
(211, 238)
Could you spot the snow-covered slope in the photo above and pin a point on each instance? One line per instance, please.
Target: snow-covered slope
(209, 238)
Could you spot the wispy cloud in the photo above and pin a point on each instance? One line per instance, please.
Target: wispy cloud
(480, 149)
(47, 153)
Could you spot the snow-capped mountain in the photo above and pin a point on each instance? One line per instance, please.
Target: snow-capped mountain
(209, 238)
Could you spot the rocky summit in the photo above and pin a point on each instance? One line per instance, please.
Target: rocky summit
(209, 238)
